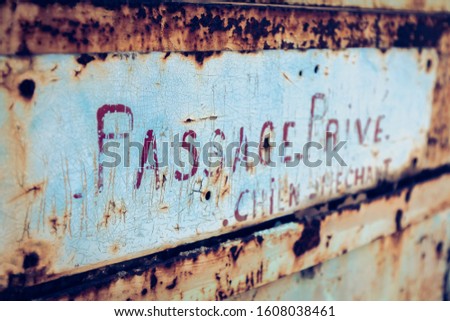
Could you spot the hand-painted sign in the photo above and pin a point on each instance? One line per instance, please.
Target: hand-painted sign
(112, 156)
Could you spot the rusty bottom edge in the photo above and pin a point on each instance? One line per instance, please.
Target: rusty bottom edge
(96, 278)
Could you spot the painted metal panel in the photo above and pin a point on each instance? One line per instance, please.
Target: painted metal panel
(59, 190)
(63, 213)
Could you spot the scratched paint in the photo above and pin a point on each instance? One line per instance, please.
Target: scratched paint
(59, 110)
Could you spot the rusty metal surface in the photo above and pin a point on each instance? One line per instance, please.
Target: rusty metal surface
(221, 269)
(50, 27)
(411, 265)
(196, 36)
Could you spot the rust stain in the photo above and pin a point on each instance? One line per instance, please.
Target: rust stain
(172, 285)
(115, 211)
(438, 147)
(34, 190)
(200, 57)
(33, 259)
(26, 88)
(54, 224)
(398, 220)
(235, 251)
(164, 207)
(309, 239)
(286, 77)
(115, 248)
(193, 120)
(84, 59)
(439, 249)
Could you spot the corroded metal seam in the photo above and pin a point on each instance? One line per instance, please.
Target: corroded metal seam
(220, 268)
(82, 27)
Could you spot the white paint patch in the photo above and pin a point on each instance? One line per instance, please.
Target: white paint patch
(379, 103)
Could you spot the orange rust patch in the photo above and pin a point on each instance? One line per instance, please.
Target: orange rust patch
(114, 212)
(202, 29)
